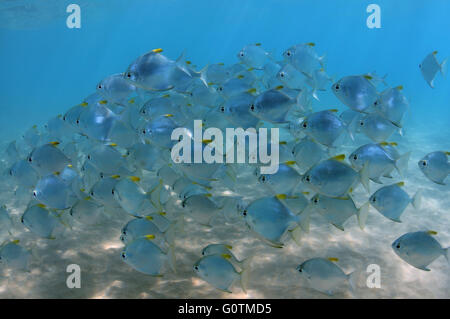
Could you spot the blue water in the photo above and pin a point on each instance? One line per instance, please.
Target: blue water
(46, 68)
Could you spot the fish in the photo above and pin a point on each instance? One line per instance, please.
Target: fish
(377, 128)
(419, 249)
(143, 255)
(391, 201)
(273, 105)
(254, 56)
(225, 251)
(116, 89)
(132, 197)
(48, 159)
(159, 131)
(218, 271)
(87, 212)
(392, 105)
(430, 67)
(201, 208)
(108, 160)
(41, 221)
(237, 110)
(292, 78)
(285, 180)
(356, 92)
(324, 275)
(54, 192)
(24, 174)
(379, 161)
(307, 153)
(334, 178)
(304, 58)
(338, 210)
(323, 127)
(141, 227)
(435, 166)
(272, 221)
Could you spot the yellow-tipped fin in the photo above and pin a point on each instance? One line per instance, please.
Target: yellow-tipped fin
(208, 195)
(159, 50)
(131, 101)
(447, 153)
(282, 143)
(207, 141)
(150, 237)
(311, 44)
(88, 198)
(250, 69)
(228, 246)
(339, 157)
(54, 143)
(290, 162)
(70, 166)
(103, 102)
(240, 76)
(135, 178)
(432, 232)
(41, 205)
(368, 77)
(168, 115)
(188, 62)
(226, 256)
(258, 44)
(112, 144)
(84, 104)
(57, 173)
(435, 52)
(251, 91)
(334, 110)
(115, 176)
(148, 217)
(333, 259)
(279, 87)
(162, 213)
(82, 190)
(220, 63)
(166, 95)
(401, 184)
(16, 241)
(281, 196)
(305, 193)
(399, 87)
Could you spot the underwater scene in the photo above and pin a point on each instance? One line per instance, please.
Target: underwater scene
(224, 149)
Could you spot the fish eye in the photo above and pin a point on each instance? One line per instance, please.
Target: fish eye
(282, 74)
(124, 255)
(361, 123)
(112, 191)
(308, 178)
(128, 75)
(222, 109)
(355, 157)
(424, 163)
(305, 124)
(263, 178)
(29, 159)
(21, 219)
(398, 246)
(183, 204)
(244, 212)
(64, 118)
(89, 157)
(315, 200)
(252, 107)
(34, 194)
(78, 121)
(337, 86)
(196, 267)
(144, 131)
(375, 103)
(241, 53)
(374, 200)
(203, 253)
(10, 172)
(99, 86)
(300, 270)
(220, 88)
(101, 175)
(92, 193)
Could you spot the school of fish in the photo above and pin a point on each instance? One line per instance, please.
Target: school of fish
(111, 154)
